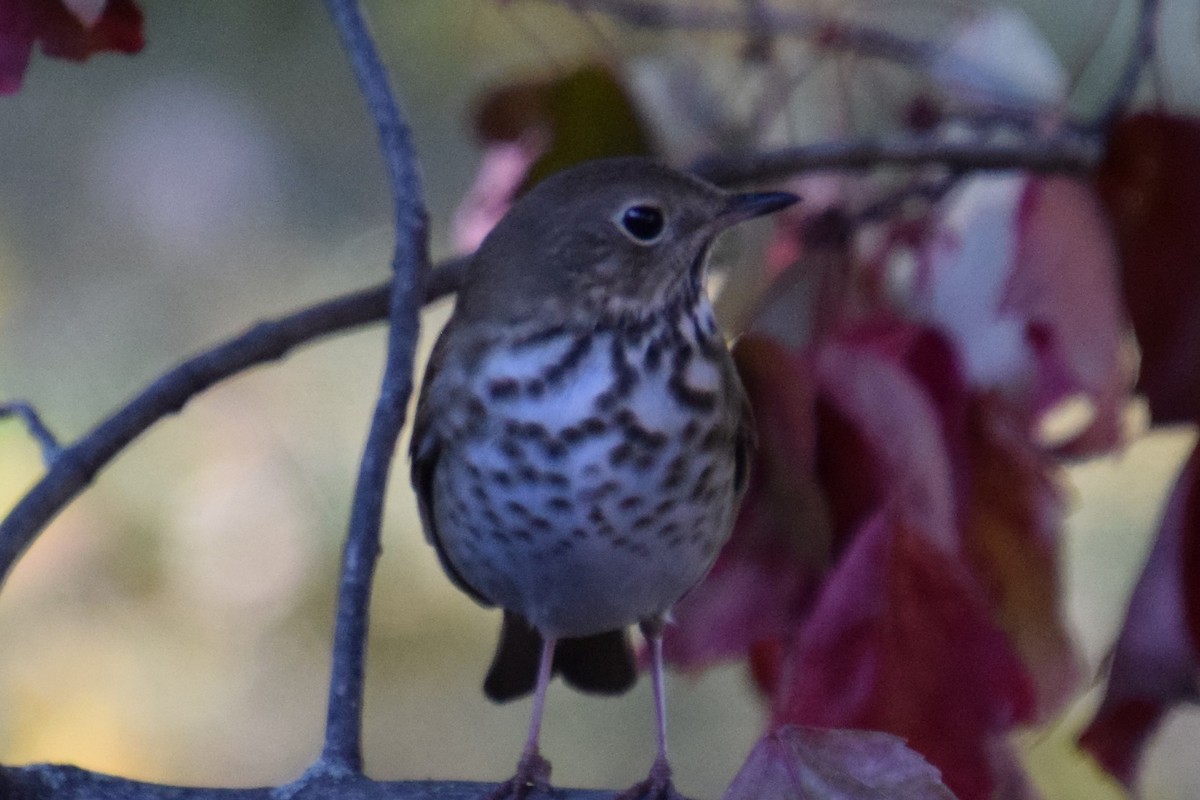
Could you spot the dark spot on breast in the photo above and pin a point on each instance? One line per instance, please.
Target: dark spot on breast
(554, 448)
(538, 337)
(675, 474)
(643, 522)
(620, 454)
(532, 431)
(652, 358)
(686, 396)
(570, 360)
(625, 377)
(503, 389)
(556, 479)
(559, 503)
(517, 508)
(717, 438)
(535, 387)
(637, 433)
(630, 503)
(597, 493)
(500, 477)
(645, 462)
(539, 524)
(593, 426)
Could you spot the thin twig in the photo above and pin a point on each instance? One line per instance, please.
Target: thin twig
(37, 429)
(1069, 153)
(342, 751)
(820, 29)
(1141, 52)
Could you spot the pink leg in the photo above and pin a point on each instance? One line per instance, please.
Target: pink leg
(657, 785)
(533, 771)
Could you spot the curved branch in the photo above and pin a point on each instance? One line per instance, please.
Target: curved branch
(342, 752)
(76, 465)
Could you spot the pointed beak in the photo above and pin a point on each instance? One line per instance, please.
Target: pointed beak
(742, 207)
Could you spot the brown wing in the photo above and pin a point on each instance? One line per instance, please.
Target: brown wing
(745, 437)
(425, 453)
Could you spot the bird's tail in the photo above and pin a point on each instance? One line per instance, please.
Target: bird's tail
(599, 664)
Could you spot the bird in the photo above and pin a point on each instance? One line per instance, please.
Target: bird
(581, 439)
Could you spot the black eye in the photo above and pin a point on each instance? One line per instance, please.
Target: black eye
(644, 223)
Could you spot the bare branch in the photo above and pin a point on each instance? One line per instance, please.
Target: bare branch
(755, 19)
(57, 782)
(37, 429)
(342, 752)
(1069, 152)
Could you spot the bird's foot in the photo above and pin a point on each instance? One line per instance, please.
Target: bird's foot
(533, 775)
(656, 786)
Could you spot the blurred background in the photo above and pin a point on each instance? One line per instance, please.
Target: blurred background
(173, 624)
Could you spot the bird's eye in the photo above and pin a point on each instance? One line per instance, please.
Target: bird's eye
(644, 223)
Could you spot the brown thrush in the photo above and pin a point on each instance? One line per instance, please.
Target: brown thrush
(580, 444)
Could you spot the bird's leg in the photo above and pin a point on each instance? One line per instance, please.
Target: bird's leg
(533, 771)
(657, 785)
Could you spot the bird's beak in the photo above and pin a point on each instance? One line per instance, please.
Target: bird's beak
(742, 207)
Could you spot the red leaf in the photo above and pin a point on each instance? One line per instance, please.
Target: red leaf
(16, 42)
(62, 34)
(1157, 655)
(900, 426)
(1021, 275)
(795, 763)
(1150, 181)
(1011, 531)
(533, 129)
(1064, 285)
(901, 641)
